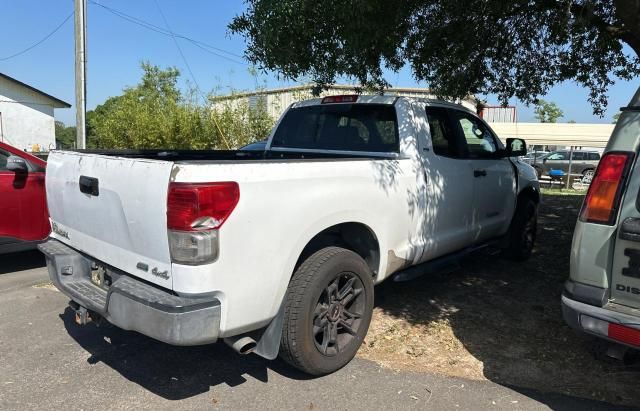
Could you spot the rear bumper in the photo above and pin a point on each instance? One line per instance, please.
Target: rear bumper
(573, 310)
(132, 304)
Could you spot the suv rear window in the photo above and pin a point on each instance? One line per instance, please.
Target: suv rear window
(346, 127)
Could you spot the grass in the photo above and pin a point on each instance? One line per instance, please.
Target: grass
(500, 320)
(562, 192)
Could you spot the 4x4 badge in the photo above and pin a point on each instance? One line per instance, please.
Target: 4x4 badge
(162, 274)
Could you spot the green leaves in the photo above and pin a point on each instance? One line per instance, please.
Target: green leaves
(516, 48)
(547, 112)
(156, 114)
(65, 136)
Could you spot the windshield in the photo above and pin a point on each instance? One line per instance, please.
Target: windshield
(344, 127)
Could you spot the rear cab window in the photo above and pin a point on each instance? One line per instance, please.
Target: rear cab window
(443, 138)
(339, 127)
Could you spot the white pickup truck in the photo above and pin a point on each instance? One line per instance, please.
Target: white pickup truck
(277, 251)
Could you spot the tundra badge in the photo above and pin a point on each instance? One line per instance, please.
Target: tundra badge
(62, 233)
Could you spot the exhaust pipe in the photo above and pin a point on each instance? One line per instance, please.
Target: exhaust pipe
(241, 344)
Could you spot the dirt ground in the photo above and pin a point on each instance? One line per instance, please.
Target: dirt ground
(498, 320)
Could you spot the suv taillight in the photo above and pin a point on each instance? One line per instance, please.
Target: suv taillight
(195, 212)
(603, 198)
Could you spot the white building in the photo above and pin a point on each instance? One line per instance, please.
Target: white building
(277, 100)
(26, 115)
(556, 134)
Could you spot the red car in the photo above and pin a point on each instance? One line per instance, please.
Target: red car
(24, 220)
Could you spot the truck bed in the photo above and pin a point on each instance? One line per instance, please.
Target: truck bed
(229, 155)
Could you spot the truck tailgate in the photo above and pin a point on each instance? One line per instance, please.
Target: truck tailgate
(113, 209)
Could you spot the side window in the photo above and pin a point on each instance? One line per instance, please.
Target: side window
(3, 160)
(579, 155)
(442, 137)
(594, 156)
(561, 155)
(480, 142)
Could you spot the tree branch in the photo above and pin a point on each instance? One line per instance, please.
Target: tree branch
(585, 13)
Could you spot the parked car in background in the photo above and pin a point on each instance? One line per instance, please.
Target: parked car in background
(534, 156)
(583, 162)
(602, 295)
(24, 220)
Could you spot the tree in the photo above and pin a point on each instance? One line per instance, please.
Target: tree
(156, 114)
(65, 136)
(547, 112)
(516, 48)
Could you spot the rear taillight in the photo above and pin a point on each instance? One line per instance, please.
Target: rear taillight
(618, 332)
(195, 212)
(202, 206)
(603, 198)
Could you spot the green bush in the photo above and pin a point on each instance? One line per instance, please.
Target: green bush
(156, 114)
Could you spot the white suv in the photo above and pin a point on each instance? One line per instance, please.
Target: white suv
(602, 295)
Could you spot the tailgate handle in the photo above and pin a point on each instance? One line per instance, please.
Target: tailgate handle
(630, 229)
(89, 185)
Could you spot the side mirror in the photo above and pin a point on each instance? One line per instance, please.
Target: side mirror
(516, 147)
(17, 164)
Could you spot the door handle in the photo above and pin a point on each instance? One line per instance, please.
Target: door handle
(89, 185)
(479, 173)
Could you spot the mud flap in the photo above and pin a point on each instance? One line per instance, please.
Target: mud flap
(268, 345)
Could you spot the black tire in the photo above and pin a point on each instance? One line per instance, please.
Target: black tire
(587, 176)
(316, 340)
(522, 233)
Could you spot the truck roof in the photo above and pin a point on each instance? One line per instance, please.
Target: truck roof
(386, 99)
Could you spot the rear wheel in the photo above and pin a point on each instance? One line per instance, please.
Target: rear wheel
(327, 313)
(522, 233)
(587, 176)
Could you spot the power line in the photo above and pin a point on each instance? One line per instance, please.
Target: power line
(175, 41)
(40, 41)
(150, 26)
(186, 63)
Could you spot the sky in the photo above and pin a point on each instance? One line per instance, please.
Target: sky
(116, 47)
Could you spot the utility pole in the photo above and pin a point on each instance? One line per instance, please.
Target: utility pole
(81, 72)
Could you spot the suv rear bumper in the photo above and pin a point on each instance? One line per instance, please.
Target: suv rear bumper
(132, 304)
(573, 310)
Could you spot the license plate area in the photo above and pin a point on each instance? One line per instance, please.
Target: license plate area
(100, 276)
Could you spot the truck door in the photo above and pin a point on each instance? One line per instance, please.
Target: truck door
(494, 179)
(448, 190)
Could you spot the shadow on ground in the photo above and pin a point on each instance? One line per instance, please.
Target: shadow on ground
(507, 315)
(171, 372)
(25, 260)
